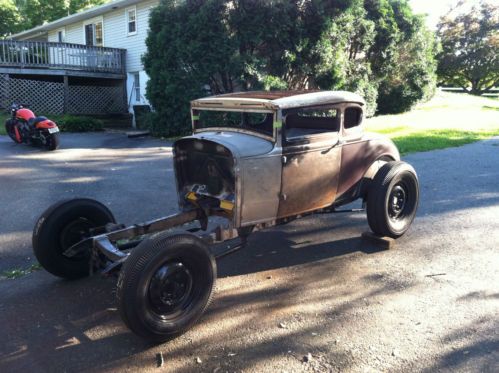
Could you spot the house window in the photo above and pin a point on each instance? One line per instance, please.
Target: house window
(131, 20)
(98, 34)
(93, 34)
(60, 36)
(136, 86)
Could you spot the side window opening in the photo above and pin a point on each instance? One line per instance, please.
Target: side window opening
(353, 117)
(311, 121)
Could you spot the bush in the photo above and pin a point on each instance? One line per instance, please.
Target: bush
(69, 123)
(149, 121)
(377, 48)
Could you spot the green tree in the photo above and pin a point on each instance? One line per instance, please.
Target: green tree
(189, 53)
(19, 15)
(9, 18)
(377, 48)
(37, 12)
(402, 56)
(470, 47)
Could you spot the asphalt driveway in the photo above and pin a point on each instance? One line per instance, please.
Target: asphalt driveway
(310, 287)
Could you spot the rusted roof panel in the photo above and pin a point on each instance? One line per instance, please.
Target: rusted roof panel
(277, 99)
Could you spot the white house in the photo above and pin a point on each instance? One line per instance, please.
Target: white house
(86, 37)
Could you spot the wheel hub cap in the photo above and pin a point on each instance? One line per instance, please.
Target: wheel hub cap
(170, 287)
(397, 201)
(73, 233)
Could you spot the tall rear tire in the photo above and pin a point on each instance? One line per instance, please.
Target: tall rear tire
(165, 285)
(62, 225)
(392, 199)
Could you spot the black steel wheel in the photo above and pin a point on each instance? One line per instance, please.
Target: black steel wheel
(392, 199)
(61, 226)
(165, 285)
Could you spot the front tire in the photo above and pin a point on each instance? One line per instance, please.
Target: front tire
(165, 285)
(392, 199)
(9, 128)
(62, 225)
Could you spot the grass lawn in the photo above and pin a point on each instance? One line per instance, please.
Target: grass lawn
(447, 120)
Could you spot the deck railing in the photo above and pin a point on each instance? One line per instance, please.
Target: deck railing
(67, 56)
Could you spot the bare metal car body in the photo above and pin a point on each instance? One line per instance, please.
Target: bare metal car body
(289, 170)
(255, 159)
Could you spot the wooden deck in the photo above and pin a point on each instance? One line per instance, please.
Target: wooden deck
(50, 57)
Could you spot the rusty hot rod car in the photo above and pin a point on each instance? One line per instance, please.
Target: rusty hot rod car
(254, 160)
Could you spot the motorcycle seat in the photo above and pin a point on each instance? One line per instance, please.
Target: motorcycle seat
(35, 121)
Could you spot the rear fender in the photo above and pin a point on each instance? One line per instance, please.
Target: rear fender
(359, 190)
(366, 180)
(46, 124)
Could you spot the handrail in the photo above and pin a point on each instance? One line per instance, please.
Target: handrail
(36, 54)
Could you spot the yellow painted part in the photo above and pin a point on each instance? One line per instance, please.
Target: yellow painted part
(191, 196)
(226, 205)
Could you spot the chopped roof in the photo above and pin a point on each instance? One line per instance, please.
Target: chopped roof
(277, 99)
(265, 95)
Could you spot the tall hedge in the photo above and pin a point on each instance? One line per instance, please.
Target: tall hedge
(195, 48)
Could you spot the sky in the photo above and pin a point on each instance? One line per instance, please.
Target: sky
(435, 8)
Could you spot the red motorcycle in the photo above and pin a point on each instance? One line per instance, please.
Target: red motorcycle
(25, 127)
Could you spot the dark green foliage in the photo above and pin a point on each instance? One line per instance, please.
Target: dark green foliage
(470, 47)
(19, 15)
(10, 18)
(148, 121)
(377, 48)
(411, 76)
(69, 123)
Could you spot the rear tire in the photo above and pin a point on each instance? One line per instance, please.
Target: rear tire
(53, 141)
(165, 285)
(62, 225)
(392, 199)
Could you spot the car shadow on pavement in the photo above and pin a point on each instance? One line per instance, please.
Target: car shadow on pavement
(273, 249)
(56, 325)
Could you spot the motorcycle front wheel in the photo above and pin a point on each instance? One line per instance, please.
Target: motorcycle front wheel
(9, 128)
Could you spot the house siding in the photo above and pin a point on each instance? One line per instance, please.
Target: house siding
(52, 37)
(115, 33)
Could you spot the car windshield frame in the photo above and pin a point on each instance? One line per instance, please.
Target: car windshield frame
(195, 114)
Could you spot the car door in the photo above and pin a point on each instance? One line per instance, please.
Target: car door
(357, 154)
(311, 159)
